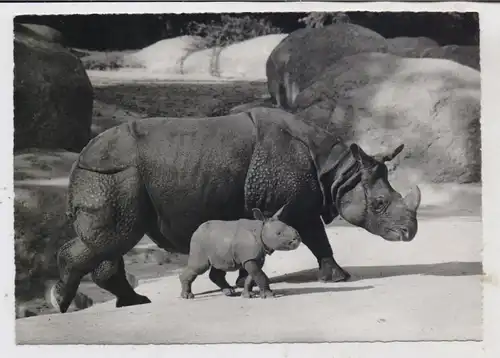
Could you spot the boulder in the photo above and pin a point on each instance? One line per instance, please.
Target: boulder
(305, 53)
(248, 58)
(382, 100)
(465, 55)
(165, 56)
(41, 32)
(52, 96)
(410, 45)
(202, 62)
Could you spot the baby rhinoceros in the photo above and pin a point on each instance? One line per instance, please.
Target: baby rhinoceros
(226, 246)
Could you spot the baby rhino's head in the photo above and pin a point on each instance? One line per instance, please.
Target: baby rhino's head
(277, 235)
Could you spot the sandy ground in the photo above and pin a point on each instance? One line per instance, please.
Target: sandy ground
(429, 289)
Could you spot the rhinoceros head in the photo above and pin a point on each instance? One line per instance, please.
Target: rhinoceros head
(362, 195)
(275, 234)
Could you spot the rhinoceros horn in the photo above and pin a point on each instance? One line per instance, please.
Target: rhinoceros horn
(412, 199)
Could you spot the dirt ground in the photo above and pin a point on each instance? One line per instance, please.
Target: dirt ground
(176, 98)
(428, 289)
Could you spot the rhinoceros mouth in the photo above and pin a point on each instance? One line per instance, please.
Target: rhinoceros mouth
(401, 234)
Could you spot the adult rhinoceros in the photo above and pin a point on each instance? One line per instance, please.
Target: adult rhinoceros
(165, 176)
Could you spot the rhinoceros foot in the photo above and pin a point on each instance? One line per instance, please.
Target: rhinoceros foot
(330, 271)
(247, 294)
(132, 301)
(229, 292)
(187, 295)
(267, 294)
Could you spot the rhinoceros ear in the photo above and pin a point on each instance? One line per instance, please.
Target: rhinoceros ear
(257, 214)
(358, 153)
(387, 157)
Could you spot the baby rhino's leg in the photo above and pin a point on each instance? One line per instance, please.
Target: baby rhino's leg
(247, 287)
(219, 278)
(255, 272)
(198, 264)
(189, 275)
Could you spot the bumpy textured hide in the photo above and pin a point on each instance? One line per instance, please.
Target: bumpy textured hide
(305, 53)
(194, 169)
(277, 176)
(381, 100)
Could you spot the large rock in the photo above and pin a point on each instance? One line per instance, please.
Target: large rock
(52, 96)
(42, 32)
(410, 45)
(248, 58)
(465, 55)
(165, 56)
(40, 222)
(382, 100)
(305, 53)
(203, 62)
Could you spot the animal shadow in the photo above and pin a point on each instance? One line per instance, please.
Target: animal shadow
(309, 290)
(370, 272)
(291, 291)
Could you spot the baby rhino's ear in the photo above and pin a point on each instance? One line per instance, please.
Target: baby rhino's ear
(257, 214)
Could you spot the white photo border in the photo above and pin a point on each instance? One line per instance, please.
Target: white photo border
(490, 129)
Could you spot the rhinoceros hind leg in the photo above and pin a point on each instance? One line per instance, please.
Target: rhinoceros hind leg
(188, 276)
(111, 276)
(109, 218)
(75, 260)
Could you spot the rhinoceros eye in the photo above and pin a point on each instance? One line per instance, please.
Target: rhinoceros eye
(379, 204)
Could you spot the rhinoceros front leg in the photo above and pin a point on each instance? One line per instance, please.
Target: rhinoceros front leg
(314, 236)
(255, 272)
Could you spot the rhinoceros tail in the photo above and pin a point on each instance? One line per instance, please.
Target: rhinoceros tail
(112, 151)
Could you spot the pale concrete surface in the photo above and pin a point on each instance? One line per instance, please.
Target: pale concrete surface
(428, 289)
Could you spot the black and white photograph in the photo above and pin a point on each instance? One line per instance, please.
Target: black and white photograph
(247, 177)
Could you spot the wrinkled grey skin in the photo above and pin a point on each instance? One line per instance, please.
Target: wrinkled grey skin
(165, 177)
(305, 53)
(226, 246)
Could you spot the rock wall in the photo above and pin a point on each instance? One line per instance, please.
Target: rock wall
(382, 100)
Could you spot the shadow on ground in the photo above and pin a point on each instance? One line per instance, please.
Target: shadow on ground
(299, 290)
(369, 272)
